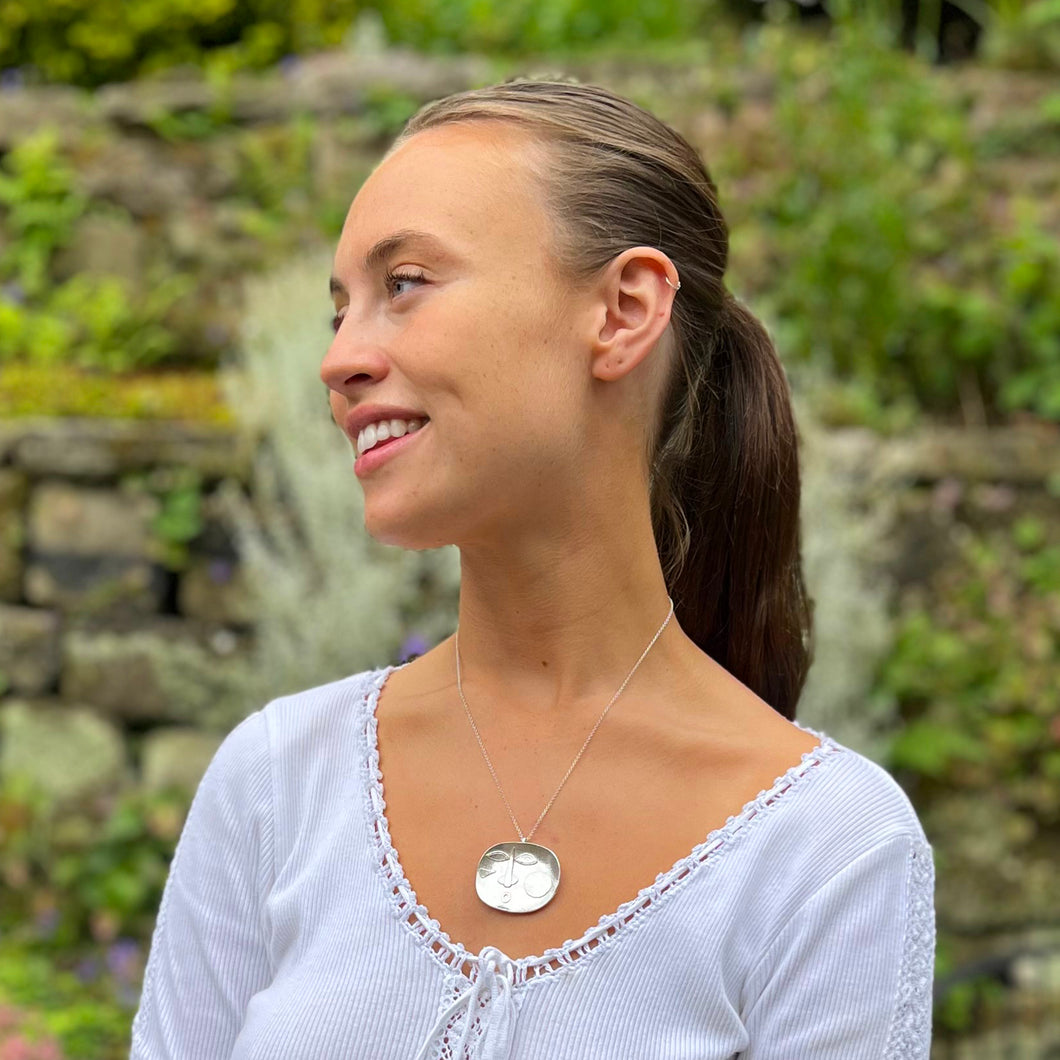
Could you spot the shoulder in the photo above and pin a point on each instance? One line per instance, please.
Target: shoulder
(302, 721)
(297, 733)
(840, 806)
(865, 801)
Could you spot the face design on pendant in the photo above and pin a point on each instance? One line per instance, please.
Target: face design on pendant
(517, 877)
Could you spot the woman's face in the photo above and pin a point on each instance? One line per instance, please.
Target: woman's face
(468, 320)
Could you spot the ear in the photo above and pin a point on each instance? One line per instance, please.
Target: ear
(637, 297)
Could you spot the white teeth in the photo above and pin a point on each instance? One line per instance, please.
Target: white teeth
(383, 430)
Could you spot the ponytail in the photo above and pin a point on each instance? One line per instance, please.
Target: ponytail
(725, 509)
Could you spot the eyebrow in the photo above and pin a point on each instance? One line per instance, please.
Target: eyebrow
(381, 250)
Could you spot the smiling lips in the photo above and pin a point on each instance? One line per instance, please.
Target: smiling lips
(365, 415)
(379, 433)
(378, 454)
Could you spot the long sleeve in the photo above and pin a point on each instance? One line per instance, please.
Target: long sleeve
(849, 977)
(208, 953)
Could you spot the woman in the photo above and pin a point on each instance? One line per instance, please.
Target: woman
(529, 295)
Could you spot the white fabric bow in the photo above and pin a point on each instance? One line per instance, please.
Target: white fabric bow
(492, 985)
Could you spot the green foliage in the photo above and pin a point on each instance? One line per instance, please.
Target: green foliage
(521, 26)
(274, 164)
(67, 879)
(871, 214)
(180, 517)
(89, 42)
(197, 124)
(30, 390)
(1023, 34)
(387, 110)
(977, 670)
(45, 1003)
(966, 1003)
(91, 321)
(40, 207)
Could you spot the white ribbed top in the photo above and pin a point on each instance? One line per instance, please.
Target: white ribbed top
(802, 929)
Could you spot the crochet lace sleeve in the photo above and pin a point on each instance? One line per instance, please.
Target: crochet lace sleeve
(208, 952)
(849, 977)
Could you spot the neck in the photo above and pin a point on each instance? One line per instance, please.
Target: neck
(545, 631)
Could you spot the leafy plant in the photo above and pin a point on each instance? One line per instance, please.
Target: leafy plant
(180, 518)
(976, 673)
(54, 1012)
(67, 879)
(866, 223)
(90, 42)
(537, 25)
(38, 206)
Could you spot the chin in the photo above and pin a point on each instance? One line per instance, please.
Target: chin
(402, 532)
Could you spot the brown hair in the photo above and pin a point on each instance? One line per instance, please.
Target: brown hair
(722, 454)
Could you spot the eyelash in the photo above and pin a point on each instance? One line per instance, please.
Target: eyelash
(389, 279)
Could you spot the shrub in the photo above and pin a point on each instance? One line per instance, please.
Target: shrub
(89, 42)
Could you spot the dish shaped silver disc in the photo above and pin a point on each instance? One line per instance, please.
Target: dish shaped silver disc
(517, 877)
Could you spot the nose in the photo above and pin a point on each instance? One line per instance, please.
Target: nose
(352, 361)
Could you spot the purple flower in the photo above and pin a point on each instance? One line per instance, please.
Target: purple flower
(414, 645)
(123, 958)
(288, 64)
(88, 969)
(13, 292)
(11, 79)
(46, 921)
(221, 571)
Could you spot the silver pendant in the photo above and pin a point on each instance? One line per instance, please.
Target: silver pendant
(517, 877)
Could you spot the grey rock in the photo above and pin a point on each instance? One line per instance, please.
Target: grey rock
(83, 447)
(137, 175)
(104, 244)
(66, 111)
(215, 590)
(102, 586)
(90, 521)
(338, 82)
(68, 750)
(13, 492)
(166, 669)
(1028, 454)
(29, 648)
(119, 674)
(176, 757)
(136, 104)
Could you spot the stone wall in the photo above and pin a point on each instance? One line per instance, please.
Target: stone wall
(113, 560)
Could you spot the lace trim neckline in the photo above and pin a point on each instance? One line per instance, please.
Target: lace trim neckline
(453, 955)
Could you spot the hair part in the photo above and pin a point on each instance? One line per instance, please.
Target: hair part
(722, 452)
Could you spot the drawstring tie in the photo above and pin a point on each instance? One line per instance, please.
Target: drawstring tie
(498, 1017)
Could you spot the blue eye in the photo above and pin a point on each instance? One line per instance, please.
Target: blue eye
(392, 278)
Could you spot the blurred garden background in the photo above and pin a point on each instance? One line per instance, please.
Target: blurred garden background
(180, 531)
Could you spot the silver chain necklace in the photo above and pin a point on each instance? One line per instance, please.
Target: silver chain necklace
(522, 877)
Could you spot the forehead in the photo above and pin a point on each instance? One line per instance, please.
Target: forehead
(470, 184)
